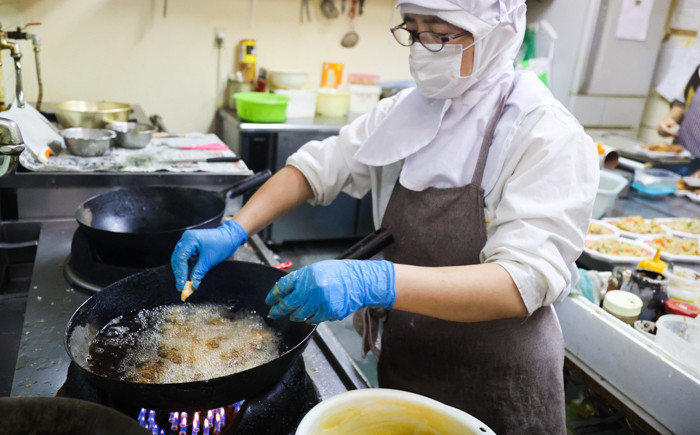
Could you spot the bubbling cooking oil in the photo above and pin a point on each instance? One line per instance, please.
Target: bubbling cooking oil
(183, 343)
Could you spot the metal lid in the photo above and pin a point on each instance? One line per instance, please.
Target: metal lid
(683, 308)
(622, 303)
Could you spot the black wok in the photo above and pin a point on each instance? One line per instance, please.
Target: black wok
(140, 226)
(62, 415)
(230, 282)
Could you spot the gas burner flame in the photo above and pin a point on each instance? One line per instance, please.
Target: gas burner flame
(213, 423)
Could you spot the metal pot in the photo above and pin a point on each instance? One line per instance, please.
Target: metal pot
(91, 114)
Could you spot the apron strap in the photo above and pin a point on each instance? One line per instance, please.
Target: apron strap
(488, 138)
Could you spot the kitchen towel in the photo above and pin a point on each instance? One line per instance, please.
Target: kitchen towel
(40, 137)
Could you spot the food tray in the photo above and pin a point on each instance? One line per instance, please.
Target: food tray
(661, 154)
(695, 197)
(692, 181)
(663, 222)
(630, 234)
(614, 231)
(672, 257)
(616, 258)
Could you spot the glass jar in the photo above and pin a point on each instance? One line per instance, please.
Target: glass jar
(624, 305)
(651, 287)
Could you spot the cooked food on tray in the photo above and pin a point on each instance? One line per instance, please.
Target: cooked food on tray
(596, 229)
(615, 246)
(663, 147)
(675, 245)
(638, 225)
(685, 225)
(182, 343)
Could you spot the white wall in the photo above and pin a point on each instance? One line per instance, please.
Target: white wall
(126, 51)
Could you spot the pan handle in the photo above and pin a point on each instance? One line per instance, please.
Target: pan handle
(246, 184)
(368, 246)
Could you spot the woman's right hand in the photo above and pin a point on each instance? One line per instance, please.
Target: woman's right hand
(668, 127)
(212, 245)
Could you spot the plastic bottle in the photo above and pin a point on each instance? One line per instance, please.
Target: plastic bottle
(247, 59)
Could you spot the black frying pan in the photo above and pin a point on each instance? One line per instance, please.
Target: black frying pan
(140, 226)
(230, 282)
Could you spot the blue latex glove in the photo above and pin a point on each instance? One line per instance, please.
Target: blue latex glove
(332, 290)
(212, 245)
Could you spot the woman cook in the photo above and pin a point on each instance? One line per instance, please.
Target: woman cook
(487, 184)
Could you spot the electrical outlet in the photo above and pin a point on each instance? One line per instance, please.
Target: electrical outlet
(219, 37)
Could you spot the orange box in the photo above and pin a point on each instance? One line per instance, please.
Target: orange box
(331, 75)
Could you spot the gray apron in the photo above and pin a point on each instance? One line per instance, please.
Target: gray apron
(689, 133)
(507, 373)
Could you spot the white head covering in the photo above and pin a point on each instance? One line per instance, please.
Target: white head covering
(437, 137)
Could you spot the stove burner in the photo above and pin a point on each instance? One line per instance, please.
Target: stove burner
(213, 422)
(276, 411)
(86, 270)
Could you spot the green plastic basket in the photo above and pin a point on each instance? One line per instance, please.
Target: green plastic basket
(261, 107)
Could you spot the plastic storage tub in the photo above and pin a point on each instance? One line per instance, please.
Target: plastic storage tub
(611, 184)
(363, 98)
(302, 104)
(261, 107)
(655, 181)
(332, 103)
(679, 336)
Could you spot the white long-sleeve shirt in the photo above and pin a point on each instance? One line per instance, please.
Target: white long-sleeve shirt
(539, 186)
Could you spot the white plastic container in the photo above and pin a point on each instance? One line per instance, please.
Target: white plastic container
(679, 336)
(302, 104)
(611, 184)
(333, 103)
(684, 285)
(363, 98)
(384, 411)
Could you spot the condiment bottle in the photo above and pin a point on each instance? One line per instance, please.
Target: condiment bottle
(247, 59)
(654, 264)
(651, 287)
(623, 305)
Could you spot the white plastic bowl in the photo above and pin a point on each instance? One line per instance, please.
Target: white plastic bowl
(287, 79)
(384, 411)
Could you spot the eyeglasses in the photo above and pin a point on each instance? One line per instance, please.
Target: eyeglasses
(430, 40)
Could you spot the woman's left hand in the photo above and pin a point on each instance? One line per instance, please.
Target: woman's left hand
(332, 290)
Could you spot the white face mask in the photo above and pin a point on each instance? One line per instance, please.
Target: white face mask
(438, 75)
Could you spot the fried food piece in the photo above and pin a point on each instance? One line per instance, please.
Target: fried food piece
(186, 291)
(663, 147)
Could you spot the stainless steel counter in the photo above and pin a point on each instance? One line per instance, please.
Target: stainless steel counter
(622, 364)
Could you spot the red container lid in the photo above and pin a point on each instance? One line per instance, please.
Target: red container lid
(683, 308)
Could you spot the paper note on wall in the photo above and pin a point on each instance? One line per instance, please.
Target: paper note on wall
(686, 15)
(633, 21)
(678, 62)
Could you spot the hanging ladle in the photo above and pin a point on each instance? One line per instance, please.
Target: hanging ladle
(351, 37)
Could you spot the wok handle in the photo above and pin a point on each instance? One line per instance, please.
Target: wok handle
(368, 246)
(246, 184)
